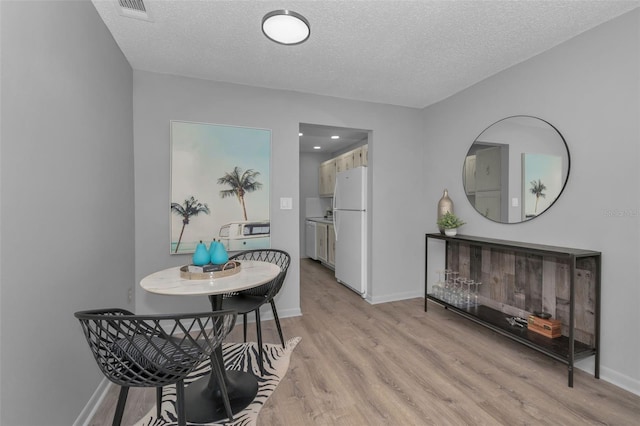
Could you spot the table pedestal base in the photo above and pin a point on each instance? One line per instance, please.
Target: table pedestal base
(204, 404)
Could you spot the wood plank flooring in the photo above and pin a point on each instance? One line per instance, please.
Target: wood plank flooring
(394, 364)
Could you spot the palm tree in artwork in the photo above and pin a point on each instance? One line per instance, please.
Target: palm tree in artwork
(537, 189)
(190, 207)
(241, 183)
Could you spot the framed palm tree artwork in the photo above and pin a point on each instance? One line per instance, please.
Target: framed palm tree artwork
(220, 185)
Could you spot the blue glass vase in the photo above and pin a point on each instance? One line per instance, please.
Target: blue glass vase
(201, 255)
(219, 255)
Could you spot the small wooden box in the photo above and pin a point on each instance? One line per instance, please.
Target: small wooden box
(547, 327)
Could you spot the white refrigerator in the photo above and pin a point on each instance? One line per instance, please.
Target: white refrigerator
(350, 226)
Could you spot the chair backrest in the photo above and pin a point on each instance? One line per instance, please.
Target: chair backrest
(278, 257)
(152, 350)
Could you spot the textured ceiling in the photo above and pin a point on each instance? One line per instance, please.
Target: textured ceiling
(410, 53)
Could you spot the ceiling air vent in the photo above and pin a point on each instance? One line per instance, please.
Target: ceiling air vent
(133, 9)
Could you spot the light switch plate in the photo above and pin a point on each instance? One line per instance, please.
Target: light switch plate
(514, 202)
(286, 203)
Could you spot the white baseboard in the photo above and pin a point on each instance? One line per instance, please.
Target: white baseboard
(395, 297)
(608, 375)
(87, 413)
(620, 380)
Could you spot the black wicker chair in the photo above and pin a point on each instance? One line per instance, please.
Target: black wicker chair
(155, 350)
(251, 300)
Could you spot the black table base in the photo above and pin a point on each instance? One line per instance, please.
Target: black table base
(203, 403)
(203, 398)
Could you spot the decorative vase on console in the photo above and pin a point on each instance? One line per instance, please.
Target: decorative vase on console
(201, 255)
(444, 205)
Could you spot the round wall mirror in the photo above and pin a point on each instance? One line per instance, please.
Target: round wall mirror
(516, 169)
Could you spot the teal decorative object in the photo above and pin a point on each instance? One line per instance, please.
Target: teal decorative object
(219, 255)
(212, 247)
(201, 255)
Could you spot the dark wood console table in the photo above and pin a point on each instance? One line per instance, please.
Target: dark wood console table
(521, 278)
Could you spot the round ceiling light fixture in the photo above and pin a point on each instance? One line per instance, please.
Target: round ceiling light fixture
(286, 27)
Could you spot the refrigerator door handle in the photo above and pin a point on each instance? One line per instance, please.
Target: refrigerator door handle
(335, 224)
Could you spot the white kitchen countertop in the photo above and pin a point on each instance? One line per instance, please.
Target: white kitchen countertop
(320, 220)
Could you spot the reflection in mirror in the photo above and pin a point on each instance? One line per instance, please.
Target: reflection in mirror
(516, 169)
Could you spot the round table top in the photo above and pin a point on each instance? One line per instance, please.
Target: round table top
(169, 282)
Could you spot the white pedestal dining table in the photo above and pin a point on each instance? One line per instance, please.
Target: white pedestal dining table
(203, 399)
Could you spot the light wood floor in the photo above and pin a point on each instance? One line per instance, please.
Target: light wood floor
(394, 364)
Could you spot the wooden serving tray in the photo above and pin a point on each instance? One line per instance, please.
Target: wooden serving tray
(232, 267)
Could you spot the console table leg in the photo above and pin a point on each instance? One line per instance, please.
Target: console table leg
(570, 375)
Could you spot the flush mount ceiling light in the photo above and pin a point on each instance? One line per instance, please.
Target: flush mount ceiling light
(286, 27)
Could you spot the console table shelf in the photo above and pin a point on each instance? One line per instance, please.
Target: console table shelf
(571, 291)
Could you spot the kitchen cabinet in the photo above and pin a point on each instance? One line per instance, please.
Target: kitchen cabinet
(470, 174)
(322, 241)
(328, 169)
(327, 176)
(361, 156)
(364, 155)
(345, 161)
(518, 279)
(331, 246)
(487, 182)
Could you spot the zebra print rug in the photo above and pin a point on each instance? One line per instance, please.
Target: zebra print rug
(237, 356)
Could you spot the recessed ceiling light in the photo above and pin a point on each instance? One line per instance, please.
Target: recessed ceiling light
(317, 147)
(300, 134)
(335, 137)
(286, 27)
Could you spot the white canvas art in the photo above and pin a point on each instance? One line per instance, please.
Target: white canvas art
(219, 186)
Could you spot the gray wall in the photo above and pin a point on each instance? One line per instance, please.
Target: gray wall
(589, 88)
(66, 203)
(160, 98)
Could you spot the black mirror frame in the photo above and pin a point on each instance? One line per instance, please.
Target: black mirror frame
(566, 180)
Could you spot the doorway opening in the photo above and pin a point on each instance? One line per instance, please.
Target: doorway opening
(325, 151)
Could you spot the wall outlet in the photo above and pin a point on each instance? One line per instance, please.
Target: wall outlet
(130, 295)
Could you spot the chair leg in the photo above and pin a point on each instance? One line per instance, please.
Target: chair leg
(182, 418)
(122, 400)
(260, 349)
(244, 326)
(222, 385)
(159, 402)
(275, 316)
